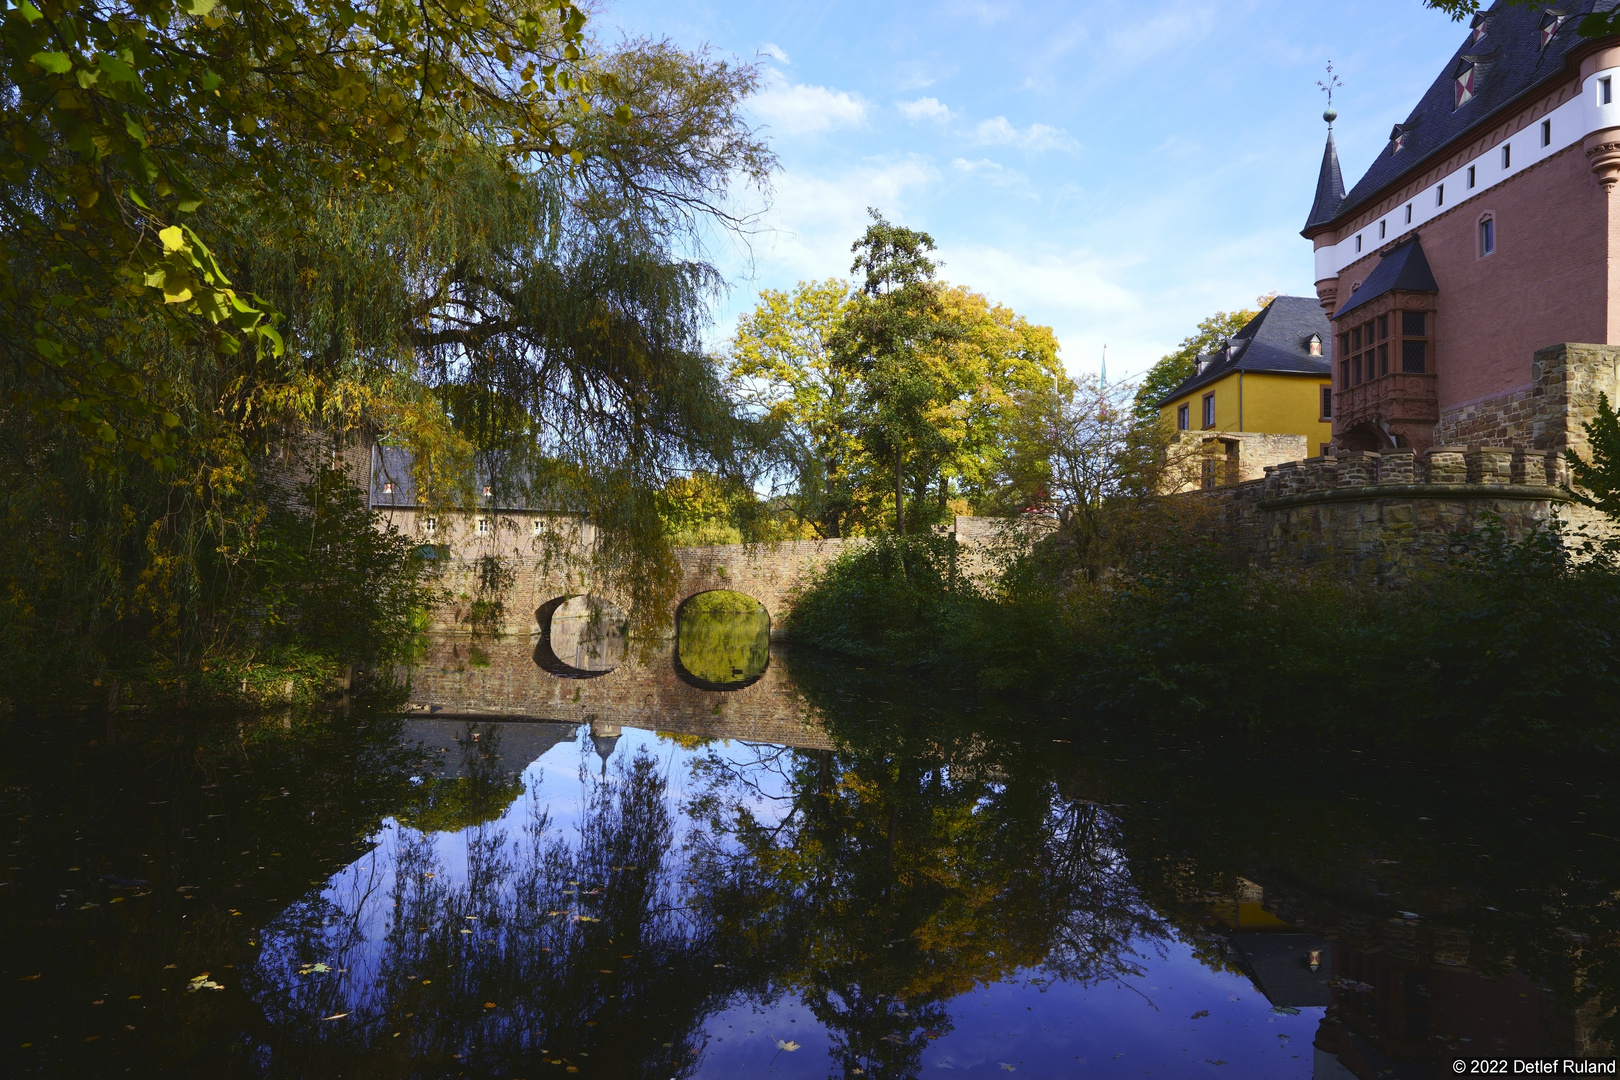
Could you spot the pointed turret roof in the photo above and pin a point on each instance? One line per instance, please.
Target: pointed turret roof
(1329, 186)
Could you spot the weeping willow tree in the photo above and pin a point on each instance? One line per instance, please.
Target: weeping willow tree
(538, 314)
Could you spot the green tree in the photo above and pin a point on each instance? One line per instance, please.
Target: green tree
(484, 300)
(884, 339)
(1175, 368)
(781, 365)
(1596, 483)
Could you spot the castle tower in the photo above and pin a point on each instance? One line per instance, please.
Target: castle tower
(1472, 273)
(1329, 194)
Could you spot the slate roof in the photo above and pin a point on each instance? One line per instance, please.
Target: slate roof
(392, 465)
(1403, 267)
(1511, 65)
(1329, 186)
(1276, 340)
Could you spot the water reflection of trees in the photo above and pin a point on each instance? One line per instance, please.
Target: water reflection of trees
(905, 877)
(877, 884)
(549, 952)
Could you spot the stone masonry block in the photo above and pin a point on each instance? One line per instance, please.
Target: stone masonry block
(1396, 467)
(1358, 468)
(1490, 465)
(1445, 465)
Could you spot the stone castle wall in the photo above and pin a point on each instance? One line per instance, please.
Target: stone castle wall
(1546, 414)
(1389, 518)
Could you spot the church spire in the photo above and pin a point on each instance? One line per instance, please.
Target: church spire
(1330, 181)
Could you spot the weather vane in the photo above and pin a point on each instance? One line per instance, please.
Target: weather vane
(1327, 86)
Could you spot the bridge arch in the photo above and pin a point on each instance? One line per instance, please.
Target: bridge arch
(581, 636)
(722, 640)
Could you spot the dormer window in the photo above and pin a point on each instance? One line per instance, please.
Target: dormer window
(1463, 82)
(388, 487)
(486, 490)
(1551, 20)
(1397, 138)
(1481, 26)
(1314, 344)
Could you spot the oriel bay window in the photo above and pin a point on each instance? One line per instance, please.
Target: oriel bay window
(1368, 347)
(1384, 373)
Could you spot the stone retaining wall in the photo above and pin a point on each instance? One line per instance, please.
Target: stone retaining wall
(1387, 518)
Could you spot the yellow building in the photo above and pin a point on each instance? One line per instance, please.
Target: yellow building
(1269, 388)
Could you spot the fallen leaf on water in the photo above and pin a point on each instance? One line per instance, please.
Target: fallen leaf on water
(203, 982)
(168, 967)
(1214, 1061)
(788, 1045)
(1009, 1068)
(931, 1034)
(1200, 1014)
(489, 1004)
(335, 1016)
(31, 978)
(896, 1039)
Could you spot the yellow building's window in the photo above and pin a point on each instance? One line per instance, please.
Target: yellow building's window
(1209, 410)
(1182, 422)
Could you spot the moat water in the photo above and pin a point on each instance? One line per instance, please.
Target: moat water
(935, 884)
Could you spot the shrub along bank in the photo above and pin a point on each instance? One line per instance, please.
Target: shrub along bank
(1514, 646)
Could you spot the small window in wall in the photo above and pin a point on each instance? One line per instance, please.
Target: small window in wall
(483, 526)
(1487, 235)
(1439, 194)
(1470, 176)
(1409, 213)
(1507, 155)
(1546, 133)
(1327, 403)
(430, 526)
(1209, 410)
(537, 527)
(1605, 90)
(1358, 241)
(1182, 422)
(1383, 229)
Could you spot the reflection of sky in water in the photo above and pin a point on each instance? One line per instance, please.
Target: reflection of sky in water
(1032, 1023)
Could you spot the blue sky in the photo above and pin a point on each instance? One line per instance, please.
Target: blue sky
(1114, 170)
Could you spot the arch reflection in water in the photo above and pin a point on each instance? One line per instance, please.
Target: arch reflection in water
(581, 637)
(722, 640)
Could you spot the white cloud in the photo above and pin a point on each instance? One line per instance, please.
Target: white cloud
(927, 108)
(964, 165)
(1001, 132)
(776, 52)
(799, 109)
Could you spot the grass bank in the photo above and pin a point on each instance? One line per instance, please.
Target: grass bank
(1513, 647)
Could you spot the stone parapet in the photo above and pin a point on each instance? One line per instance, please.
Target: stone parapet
(1388, 517)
